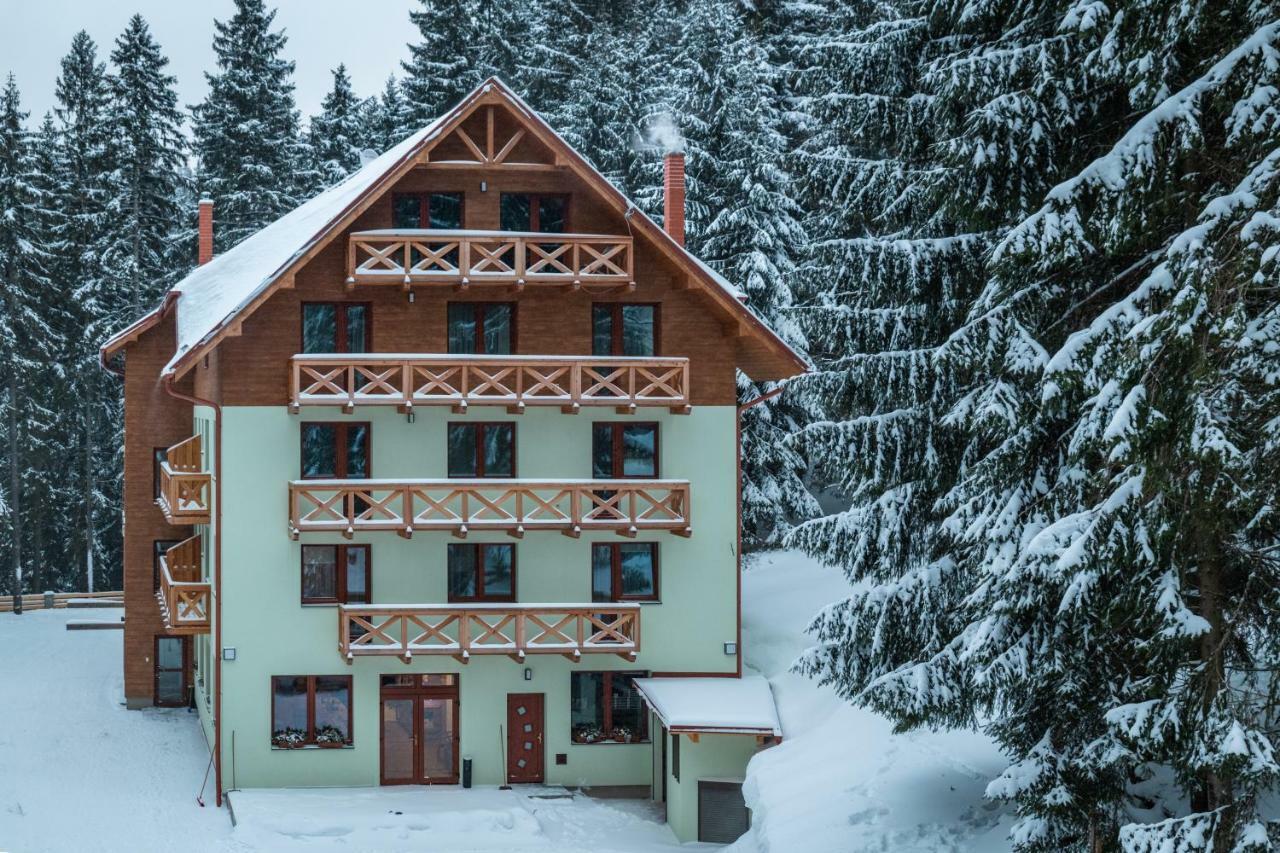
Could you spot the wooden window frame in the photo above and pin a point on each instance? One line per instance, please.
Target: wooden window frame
(311, 707)
(341, 343)
(617, 427)
(156, 551)
(340, 565)
(483, 306)
(478, 563)
(616, 334)
(675, 756)
(606, 691)
(478, 449)
(186, 672)
(340, 459)
(615, 574)
(424, 206)
(158, 455)
(534, 198)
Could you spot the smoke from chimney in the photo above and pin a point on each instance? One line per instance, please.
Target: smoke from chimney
(663, 133)
(205, 253)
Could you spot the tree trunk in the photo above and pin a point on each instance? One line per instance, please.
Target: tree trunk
(87, 461)
(15, 488)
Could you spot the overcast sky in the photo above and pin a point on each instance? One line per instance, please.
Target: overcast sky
(370, 36)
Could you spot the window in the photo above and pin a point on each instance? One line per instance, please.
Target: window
(482, 572)
(482, 450)
(620, 450)
(336, 573)
(335, 327)
(546, 214)
(624, 571)
(624, 329)
(310, 709)
(158, 547)
(427, 210)
(606, 707)
(158, 457)
(482, 328)
(335, 451)
(675, 757)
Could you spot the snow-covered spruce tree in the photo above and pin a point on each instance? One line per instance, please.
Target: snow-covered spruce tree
(753, 236)
(148, 152)
(80, 200)
(383, 120)
(1122, 524)
(334, 136)
(442, 67)
(246, 129)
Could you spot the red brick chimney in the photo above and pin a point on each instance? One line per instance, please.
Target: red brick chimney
(673, 195)
(206, 231)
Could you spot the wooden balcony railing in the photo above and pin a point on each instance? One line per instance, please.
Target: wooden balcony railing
(422, 256)
(513, 506)
(503, 380)
(184, 487)
(516, 630)
(184, 597)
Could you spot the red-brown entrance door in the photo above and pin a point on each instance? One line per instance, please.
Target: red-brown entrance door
(524, 737)
(171, 665)
(419, 722)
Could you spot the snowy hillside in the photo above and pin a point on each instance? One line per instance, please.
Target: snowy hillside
(841, 781)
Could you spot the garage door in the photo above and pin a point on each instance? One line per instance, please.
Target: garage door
(723, 815)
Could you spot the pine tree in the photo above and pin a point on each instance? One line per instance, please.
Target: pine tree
(335, 135)
(246, 130)
(149, 151)
(443, 67)
(389, 122)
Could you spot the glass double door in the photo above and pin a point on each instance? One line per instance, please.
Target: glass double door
(419, 737)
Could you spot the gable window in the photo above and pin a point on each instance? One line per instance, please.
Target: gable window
(606, 707)
(427, 210)
(482, 450)
(482, 572)
(620, 450)
(158, 548)
(619, 328)
(482, 328)
(333, 574)
(624, 571)
(545, 214)
(310, 709)
(335, 327)
(335, 451)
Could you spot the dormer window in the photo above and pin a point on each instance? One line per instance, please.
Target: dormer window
(546, 214)
(427, 210)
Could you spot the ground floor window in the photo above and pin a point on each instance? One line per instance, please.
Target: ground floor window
(310, 709)
(605, 707)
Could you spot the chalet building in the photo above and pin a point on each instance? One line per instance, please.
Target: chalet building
(435, 480)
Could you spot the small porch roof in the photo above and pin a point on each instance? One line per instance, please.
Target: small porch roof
(713, 705)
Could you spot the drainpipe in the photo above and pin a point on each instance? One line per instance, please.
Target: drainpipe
(763, 398)
(168, 383)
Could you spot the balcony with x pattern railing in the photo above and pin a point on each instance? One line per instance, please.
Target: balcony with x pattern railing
(425, 256)
(460, 381)
(627, 507)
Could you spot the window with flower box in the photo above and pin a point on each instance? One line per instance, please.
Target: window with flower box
(310, 710)
(605, 707)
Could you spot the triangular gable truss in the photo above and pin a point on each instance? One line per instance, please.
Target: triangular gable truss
(499, 151)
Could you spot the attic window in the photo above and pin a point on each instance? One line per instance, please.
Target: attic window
(427, 210)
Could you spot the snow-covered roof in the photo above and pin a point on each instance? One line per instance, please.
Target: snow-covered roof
(716, 705)
(215, 292)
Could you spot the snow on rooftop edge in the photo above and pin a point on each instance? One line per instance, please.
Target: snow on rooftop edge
(713, 703)
(213, 293)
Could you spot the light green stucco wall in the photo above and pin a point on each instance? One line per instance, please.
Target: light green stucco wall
(273, 634)
(713, 757)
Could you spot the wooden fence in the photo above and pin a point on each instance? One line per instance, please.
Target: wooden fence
(35, 600)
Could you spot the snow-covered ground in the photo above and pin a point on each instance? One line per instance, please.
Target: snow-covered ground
(841, 780)
(78, 772)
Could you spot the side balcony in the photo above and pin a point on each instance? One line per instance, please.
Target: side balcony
(516, 382)
(515, 630)
(184, 486)
(459, 506)
(183, 596)
(463, 258)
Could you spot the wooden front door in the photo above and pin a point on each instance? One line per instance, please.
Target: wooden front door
(419, 740)
(171, 665)
(524, 737)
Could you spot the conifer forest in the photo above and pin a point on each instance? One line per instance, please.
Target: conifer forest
(1030, 248)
